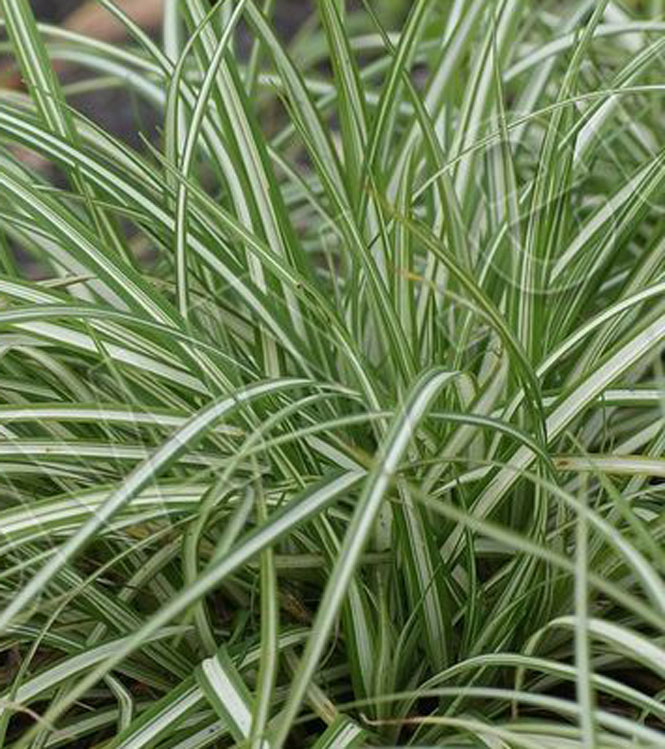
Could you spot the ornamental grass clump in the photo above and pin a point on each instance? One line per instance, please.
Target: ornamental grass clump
(331, 414)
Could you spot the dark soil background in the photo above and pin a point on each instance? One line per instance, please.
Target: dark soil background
(54, 10)
(124, 115)
(114, 109)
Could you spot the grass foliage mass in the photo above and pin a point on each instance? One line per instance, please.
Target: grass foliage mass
(332, 415)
